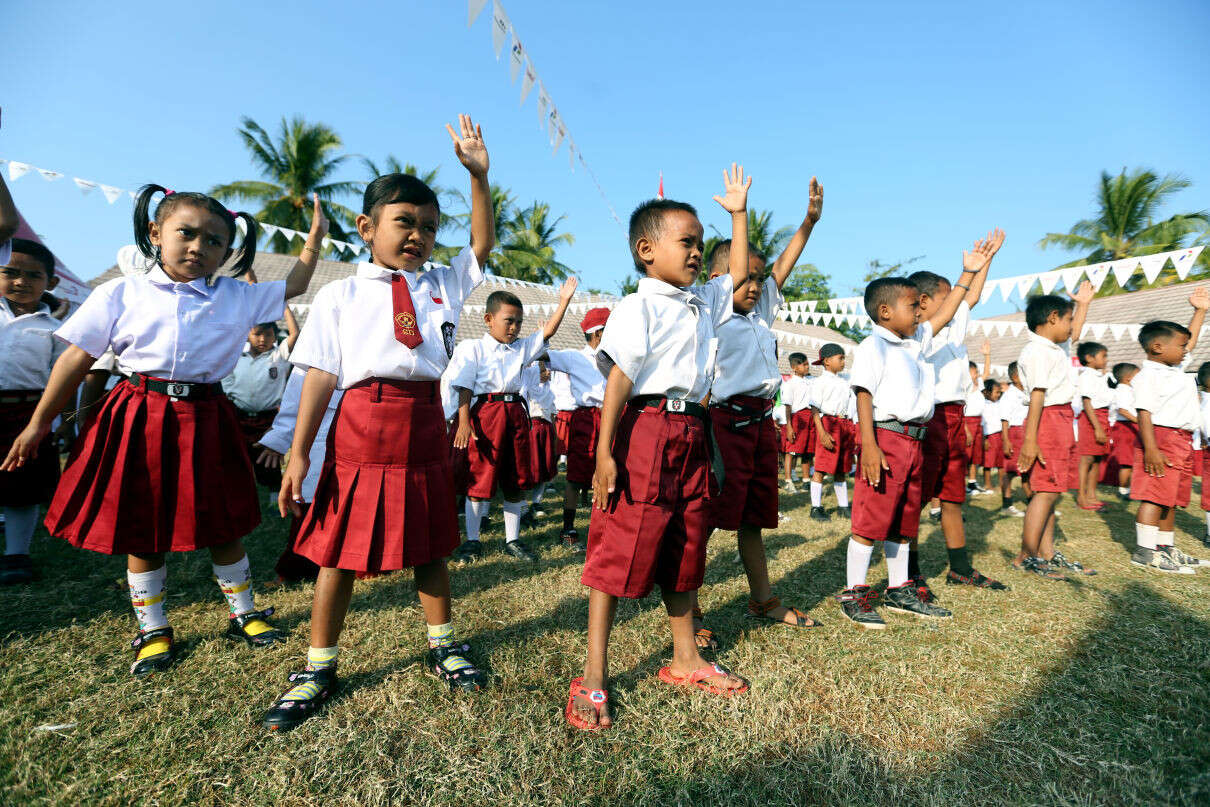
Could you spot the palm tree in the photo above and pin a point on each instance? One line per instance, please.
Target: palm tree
(526, 244)
(301, 161)
(1125, 223)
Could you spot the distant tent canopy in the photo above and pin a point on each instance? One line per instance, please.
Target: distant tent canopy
(70, 287)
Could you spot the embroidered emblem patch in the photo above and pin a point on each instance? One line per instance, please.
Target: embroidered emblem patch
(447, 333)
(406, 323)
(273, 372)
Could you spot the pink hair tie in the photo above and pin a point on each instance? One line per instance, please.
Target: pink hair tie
(168, 191)
(234, 215)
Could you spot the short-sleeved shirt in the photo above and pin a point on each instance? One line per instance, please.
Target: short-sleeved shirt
(156, 326)
(29, 347)
(831, 395)
(1094, 385)
(894, 371)
(281, 433)
(1013, 406)
(350, 330)
(946, 354)
(747, 350)
(975, 402)
(796, 392)
(991, 417)
(1169, 394)
(664, 338)
(586, 385)
(1046, 365)
(560, 386)
(539, 395)
(486, 365)
(258, 382)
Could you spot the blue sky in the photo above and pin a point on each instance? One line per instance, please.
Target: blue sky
(928, 123)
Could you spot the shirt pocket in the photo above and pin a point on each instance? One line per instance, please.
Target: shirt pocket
(35, 348)
(441, 325)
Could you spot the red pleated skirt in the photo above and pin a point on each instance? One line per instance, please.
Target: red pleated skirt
(152, 474)
(385, 498)
(34, 482)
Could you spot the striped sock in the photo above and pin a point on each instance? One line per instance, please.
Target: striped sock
(443, 636)
(147, 595)
(235, 581)
(318, 658)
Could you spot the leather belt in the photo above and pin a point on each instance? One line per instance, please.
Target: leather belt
(16, 397)
(750, 414)
(503, 397)
(915, 431)
(264, 413)
(180, 390)
(673, 405)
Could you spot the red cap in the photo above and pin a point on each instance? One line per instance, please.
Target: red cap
(594, 319)
(827, 351)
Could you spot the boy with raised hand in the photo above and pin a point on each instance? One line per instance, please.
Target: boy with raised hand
(1048, 443)
(894, 387)
(945, 451)
(651, 509)
(1166, 399)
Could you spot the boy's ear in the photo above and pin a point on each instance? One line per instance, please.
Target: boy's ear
(645, 249)
(54, 281)
(365, 227)
(884, 312)
(487, 320)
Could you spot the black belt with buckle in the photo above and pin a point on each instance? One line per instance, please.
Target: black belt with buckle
(20, 396)
(915, 431)
(264, 413)
(673, 405)
(181, 390)
(749, 414)
(503, 397)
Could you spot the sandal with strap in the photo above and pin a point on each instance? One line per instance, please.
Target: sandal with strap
(237, 629)
(157, 662)
(759, 611)
(467, 679)
(698, 677)
(597, 697)
(286, 714)
(703, 636)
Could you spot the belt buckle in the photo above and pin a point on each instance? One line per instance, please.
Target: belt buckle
(176, 390)
(676, 406)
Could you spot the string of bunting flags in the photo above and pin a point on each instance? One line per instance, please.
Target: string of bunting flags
(520, 64)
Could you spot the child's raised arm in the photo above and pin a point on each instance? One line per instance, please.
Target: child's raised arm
(567, 291)
(1200, 300)
(974, 263)
(300, 274)
(986, 350)
(292, 329)
(1083, 297)
(472, 153)
(994, 239)
(790, 255)
(735, 202)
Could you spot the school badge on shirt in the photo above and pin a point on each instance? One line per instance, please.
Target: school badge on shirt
(447, 333)
(273, 373)
(406, 323)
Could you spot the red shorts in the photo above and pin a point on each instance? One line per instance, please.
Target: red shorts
(35, 481)
(1057, 445)
(973, 427)
(155, 474)
(499, 450)
(1172, 489)
(944, 473)
(804, 430)
(1087, 444)
(893, 507)
(835, 460)
(654, 528)
(749, 452)
(459, 462)
(993, 452)
(385, 498)
(1198, 456)
(584, 428)
(1125, 439)
(544, 454)
(562, 429)
(1016, 437)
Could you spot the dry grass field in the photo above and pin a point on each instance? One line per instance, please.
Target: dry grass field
(1090, 692)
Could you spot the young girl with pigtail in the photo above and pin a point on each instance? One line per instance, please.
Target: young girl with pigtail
(161, 467)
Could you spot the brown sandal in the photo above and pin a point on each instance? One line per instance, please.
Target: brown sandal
(759, 611)
(703, 636)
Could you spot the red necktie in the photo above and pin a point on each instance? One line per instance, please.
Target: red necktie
(406, 329)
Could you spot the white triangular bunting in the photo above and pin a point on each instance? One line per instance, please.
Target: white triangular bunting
(1097, 275)
(1153, 265)
(559, 134)
(473, 9)
(48, 175)
(516, 59)
(812, 303)
(17, 170)
(1123, 269)
(1118, 331)
(1015, 327)
(112, 193)
(1133, 330)
(527, 81)
(1098, 330)
(500, 28)
(1071, 277)
(1048, 281)
(1006, 288)
(85, 185)
(1024, 284)
(1184, 259)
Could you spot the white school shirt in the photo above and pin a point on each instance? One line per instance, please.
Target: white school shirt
(1169, 394)
(560, 387)
(485, 365)
(1204, 398)
(585, 384)
(1094, 385)
(191, 332)
(1046, 365)
(796, 392)
(991, 417)
(664, 338)
(831, 395)
(946, 354)
(975, 402)
(1013, 406)
(350, 331)
(28, 347)
(894, 371)
(258, 382)
(747, 350)
(281, 433)
(539, 396)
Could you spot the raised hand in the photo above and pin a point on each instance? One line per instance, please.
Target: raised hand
(568, 289)
(815, 201)
(986, 347)
(735, 198)
(1084, 293)
(319, 222)
(469, 146)
(979, 257)
(1200, 299)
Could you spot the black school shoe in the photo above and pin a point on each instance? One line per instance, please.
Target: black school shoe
(975, 578)
(467, 679)
(923, 591)
(15, 570)
(520, 551)
(468, 551)
(571, 540)
(284, 715)
(905, 599)
(818, 514)
(845, 512)
(152, 664)
(857, 605)
(236, 629)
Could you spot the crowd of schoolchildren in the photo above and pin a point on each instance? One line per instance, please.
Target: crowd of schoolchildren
(378, 430)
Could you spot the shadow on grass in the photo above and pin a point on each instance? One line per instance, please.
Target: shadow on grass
(1122, 718)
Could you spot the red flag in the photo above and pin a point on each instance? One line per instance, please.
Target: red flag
(660, 193)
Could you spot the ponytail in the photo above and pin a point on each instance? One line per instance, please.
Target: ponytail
(142, 218)
(247, 250)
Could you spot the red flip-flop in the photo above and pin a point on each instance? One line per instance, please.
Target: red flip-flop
(698, 677)
(598, 698)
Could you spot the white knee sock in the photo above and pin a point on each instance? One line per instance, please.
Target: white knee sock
(857, 563)
(896, 563)
(236, 582)
(842, 494)
(512, 521)
(475, 511)
(816, 494)
(1164, 538)
(1145, 535)
(147, 596)
(19, 524)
